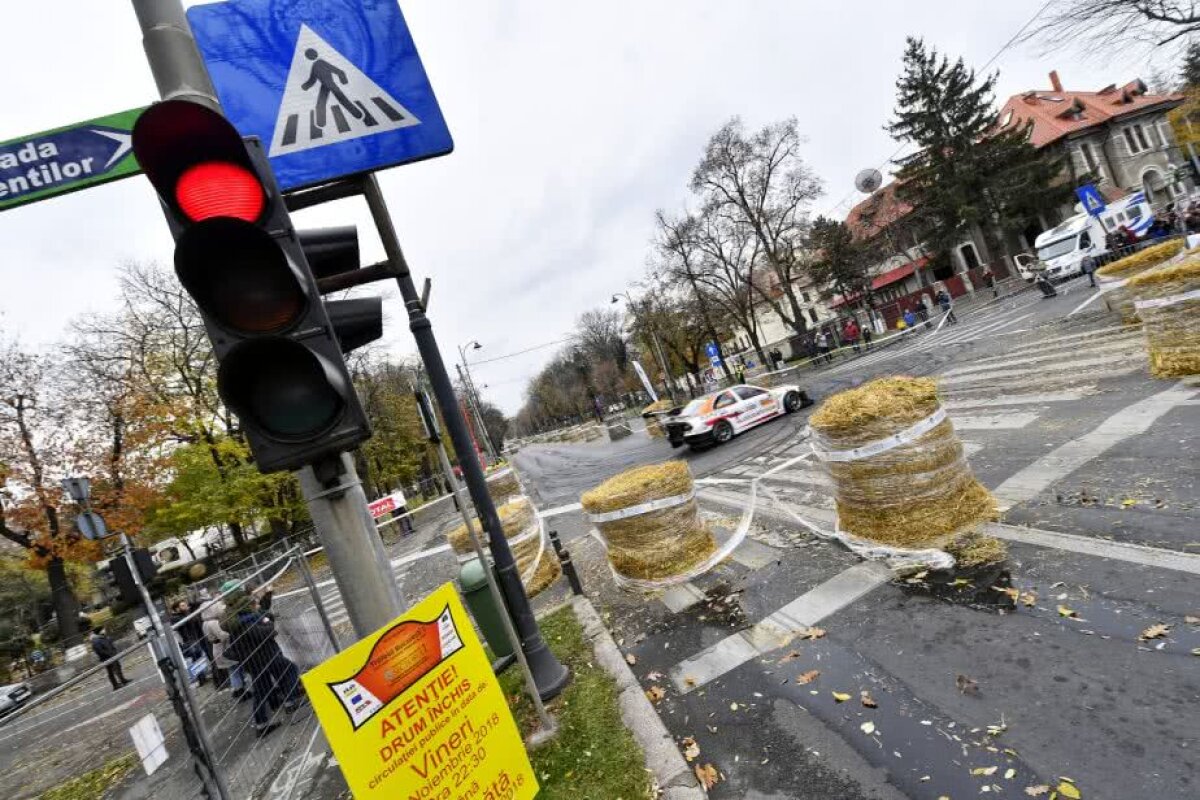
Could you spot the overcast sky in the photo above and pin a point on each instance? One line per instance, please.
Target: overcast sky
(573, 122)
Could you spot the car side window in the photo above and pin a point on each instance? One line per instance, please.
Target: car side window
(747, 392)
(725, 400)
(1085, 241)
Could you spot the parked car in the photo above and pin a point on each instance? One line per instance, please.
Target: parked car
(717, 417)
(13, 697)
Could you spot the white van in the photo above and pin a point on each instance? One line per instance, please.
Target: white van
(1062, 249)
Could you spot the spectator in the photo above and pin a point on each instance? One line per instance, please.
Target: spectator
(822, 342)
(190, 629)
(104, 649)
(850, 333)
(274, 680)
(776, 358)
(867, 337)
(989, 280)
(910, 318)
(943, 299)
(225, 672)
(1089, 269)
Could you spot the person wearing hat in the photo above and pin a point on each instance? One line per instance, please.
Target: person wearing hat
(225, 672)
(274, 680)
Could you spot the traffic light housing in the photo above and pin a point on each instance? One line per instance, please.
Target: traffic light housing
(281, 367)
(123, 577)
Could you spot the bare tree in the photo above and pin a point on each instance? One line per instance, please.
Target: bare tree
(760, 182)
(1100, 26)
(730, 250)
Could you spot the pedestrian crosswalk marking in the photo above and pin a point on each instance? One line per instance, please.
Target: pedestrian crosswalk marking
(327, 100)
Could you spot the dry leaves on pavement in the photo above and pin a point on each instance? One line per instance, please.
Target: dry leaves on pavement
(1067, 789)
(792, 656)
(1063, 611)
(655, 693)
(868, 728)
(1155, 631)
(812, 633)
(984, 771)
(867, 700)
(841, 697)
(707, 775)
(630, 659)
(1037, 791)
(808, 677)
(691, 750)
(654, 676)
(966, 685)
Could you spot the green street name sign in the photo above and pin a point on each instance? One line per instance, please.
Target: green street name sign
(63, 160)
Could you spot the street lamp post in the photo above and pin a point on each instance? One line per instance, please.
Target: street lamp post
(662, 361)
(473, 397)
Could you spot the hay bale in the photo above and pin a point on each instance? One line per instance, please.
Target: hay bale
(657, 544)
(973, 549)
(1114, 277)
(917, 494)
(504, 487)
(519, 522)
(1171, 320)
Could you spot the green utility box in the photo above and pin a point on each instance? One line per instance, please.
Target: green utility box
(472, 581)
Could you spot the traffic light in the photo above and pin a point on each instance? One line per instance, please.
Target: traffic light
(122, 576)
(279, 346)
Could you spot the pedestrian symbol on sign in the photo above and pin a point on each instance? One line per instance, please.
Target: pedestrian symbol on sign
(328, 100)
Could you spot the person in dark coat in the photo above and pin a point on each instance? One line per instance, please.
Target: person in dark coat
(943, 299)
(274, 680)
(104, 649)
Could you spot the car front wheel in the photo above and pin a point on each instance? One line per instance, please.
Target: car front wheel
(723, 432)
(794, 401)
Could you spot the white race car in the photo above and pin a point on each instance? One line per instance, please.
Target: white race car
(718, 417)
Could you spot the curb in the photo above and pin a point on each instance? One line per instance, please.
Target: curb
(663, 759)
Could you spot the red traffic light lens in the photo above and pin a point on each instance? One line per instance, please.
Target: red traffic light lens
(220, 189)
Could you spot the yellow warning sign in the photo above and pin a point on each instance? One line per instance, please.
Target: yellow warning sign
(413, 711)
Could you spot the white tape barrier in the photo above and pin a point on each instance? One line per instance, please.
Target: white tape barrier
(642, 508)
(906, 436)
(1162, 302)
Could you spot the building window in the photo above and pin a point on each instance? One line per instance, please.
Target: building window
(1163, 135)
(1089, 159)
(804, 296)
(969, 257)
(812, 314)
(1136, 137)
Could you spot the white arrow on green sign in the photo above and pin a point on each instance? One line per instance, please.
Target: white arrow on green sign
(67, 159)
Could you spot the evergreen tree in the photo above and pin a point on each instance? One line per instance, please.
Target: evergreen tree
(969, 170)
(1189, 72)
(839, 263)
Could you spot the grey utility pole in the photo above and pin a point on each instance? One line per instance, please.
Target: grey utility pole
(360, 565)
(473, 405)
(332, 489)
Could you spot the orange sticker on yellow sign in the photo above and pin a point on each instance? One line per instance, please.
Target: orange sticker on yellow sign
(414, 711)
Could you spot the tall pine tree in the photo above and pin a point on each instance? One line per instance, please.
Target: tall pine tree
(969, 170)
(1189, 71)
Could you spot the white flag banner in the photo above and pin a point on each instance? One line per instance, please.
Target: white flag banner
(637, 365)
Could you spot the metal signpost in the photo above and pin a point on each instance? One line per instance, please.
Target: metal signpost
(67, 159)
(338, 91)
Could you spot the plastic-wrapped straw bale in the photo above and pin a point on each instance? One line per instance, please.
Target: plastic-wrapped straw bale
(652, 414)
(1168, 302)
(536, 562)
(898, 470)
(1114, 278)
(649, 521)
(503, 486)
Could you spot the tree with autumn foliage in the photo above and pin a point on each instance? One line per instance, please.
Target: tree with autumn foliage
(35, 455)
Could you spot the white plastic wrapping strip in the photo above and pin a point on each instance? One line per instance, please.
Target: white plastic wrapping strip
(1160, 302)
(898, 558)
(906, 436)
(1107, 285)
(643, 508)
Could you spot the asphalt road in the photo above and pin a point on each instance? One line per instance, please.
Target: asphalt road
(1095, 464)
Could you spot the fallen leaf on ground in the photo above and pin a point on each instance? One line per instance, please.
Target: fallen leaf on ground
(867, 700)
(733, 706)
(966, 685)
(630, 659)
(1190, 620)
(960, 582)
(808, 677)
(985, 771)
(868, 728)
(792, 656)
(1037, 791)
(1009, 774)
(1068, 790)
(1011, 591)
(1196, 651)
(1028, 599)
(707, 775)
(654, 676)
(689, 681)
(841, 697)
(997, 728)
(691, 750)
(812, 633)
(655, 693)
(1155, 631)
(1063, 611)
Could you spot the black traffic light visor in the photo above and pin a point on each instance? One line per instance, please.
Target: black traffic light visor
(173, 136)
(282, 389)
(240, 276)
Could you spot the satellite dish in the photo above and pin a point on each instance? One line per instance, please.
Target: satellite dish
(868, 180)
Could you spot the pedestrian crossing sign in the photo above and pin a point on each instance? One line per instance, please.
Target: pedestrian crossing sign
(332, 89)
(1090, 199)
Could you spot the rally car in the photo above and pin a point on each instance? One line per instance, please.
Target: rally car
(718, 417)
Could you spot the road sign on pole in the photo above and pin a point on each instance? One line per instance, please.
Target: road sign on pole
(1089, 197)
(67, 159)
(333, 89)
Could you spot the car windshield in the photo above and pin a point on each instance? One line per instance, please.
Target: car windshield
(695, 407)
(1057, 248)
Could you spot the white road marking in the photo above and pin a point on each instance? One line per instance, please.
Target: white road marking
(993, 422)
(103, 715)
(780, 627)
(1015, 400)
(1078, 367)
(681, 597)
(570, 508)
(1102, 548)
(1095, 296)
(971, 448)
(808, 477)
(1129, 421)
(1106, 348)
